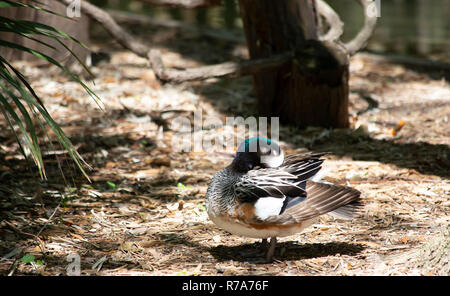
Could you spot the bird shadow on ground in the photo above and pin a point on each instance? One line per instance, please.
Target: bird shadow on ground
(255, 253)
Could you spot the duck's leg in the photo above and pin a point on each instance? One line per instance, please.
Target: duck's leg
(271, 250)
(264, 243)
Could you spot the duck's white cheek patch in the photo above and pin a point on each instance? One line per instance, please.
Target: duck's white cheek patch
(268, 206)
(273, 161)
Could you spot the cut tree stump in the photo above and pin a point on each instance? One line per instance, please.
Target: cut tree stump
(313, 88)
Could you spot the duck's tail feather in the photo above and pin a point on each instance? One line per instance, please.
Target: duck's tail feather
(321, 198)
(348, 211)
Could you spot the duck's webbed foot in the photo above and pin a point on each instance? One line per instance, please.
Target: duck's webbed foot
(264, 244)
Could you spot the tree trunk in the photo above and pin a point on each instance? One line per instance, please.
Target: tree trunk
(313, 88)
(77, 27)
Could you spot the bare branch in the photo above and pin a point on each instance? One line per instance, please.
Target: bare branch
(228, 69)
(125, 39)
(370, 20)
(183, 3)
(134, 18)
(333, 20)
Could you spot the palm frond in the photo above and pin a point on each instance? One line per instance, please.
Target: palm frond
(16, 94)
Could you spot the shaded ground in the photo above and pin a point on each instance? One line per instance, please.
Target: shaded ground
(143, 213)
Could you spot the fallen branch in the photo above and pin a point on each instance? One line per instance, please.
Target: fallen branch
(228, 69)
(370, 20)
(336, 25)
(16, 229)
(134, 18)
(125, 39)
(333, 20)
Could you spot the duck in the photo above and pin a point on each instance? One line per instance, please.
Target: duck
(264, 194)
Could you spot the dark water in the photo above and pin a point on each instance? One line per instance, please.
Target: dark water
(408, 27)
(411, 27)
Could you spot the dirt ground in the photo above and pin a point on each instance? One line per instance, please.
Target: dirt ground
(143, 213)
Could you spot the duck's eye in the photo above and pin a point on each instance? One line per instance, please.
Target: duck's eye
(250, 166)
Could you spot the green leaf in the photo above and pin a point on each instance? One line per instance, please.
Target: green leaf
(32, 99)
(112, 185)
(27, 258)
(35, 149)
(6, 4)
(182, 187)
(13, 82)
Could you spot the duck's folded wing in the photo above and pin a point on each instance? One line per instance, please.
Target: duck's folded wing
(301, 159)
(321, 198)
(268, 182)
(303, 166)
(289, 180)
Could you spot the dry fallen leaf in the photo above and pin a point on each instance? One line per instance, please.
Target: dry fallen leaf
(367, 243)
(128, 246)
(173, 206)
(149, 243)
(180, 205)
(78, 229)
(404, 239)
(139, 231)
(398, 127)
(155, 254)
(109, 79)
(143, 174)
(76, 235)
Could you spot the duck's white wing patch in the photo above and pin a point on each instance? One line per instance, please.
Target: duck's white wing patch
(318, 176)
(267, 182)
(268, 206)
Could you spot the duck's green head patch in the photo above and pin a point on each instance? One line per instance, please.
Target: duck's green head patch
(258, 151)
(253, 144)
